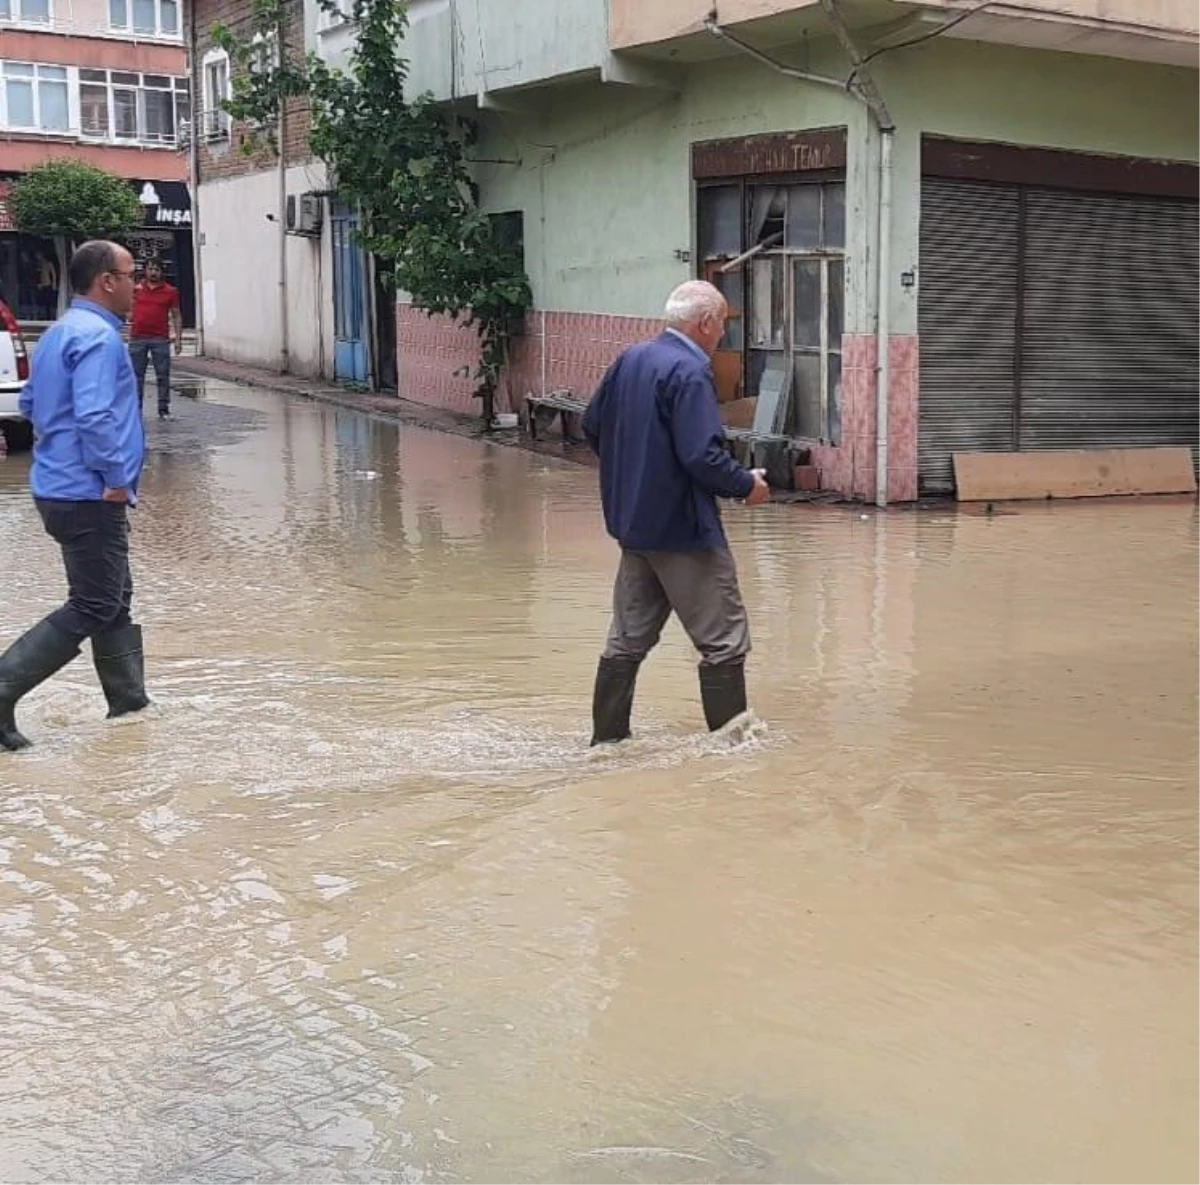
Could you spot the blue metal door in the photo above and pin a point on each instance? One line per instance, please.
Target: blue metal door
(349, 336)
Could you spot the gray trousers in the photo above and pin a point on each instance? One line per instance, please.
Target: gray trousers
(700, 586)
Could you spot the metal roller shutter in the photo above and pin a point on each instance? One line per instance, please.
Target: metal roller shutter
(967, 313)
(1110, 349)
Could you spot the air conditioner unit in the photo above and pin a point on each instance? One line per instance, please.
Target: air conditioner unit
(216, 126)
(304, 214)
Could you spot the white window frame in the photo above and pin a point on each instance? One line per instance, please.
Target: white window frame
(177, 86)
(341, 16)
(36, 78)
(126, 27)
(16, 16)
(215, 121)
(264, 52)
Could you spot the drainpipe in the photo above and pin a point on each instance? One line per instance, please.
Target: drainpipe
(284, 344)
(883, 362)
(864, 85)
(194, 177)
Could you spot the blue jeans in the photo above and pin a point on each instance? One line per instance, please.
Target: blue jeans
(156, 350)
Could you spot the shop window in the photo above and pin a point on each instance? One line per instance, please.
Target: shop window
(146, 18)
(789, 292)
(35, 97)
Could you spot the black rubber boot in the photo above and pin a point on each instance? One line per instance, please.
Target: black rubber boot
(723, 692)
(121, 665)
(30, 660)
(612, 700)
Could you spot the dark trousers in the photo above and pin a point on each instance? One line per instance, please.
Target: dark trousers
(145, 350)
(94, 537)
(700, 586)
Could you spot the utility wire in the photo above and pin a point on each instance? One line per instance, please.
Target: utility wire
(945, 27)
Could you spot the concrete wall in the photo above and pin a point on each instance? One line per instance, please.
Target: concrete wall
(639, 23)
(240, 260)
(460, 48)
(1171, 15)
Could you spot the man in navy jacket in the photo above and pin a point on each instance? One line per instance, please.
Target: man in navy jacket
(87, 460)
(655, 426)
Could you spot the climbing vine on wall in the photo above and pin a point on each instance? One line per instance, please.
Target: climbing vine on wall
(401, 160)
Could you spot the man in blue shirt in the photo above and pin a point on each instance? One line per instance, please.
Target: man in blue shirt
(655, 426)
(83, 403)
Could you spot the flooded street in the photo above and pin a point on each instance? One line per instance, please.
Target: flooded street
(355, 901)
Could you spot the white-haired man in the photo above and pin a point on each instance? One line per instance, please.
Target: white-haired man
(655, 426)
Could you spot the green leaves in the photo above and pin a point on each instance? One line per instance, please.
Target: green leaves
(401, 161)
(75, 200)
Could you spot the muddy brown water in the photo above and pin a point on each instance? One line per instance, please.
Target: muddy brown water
(355, 902)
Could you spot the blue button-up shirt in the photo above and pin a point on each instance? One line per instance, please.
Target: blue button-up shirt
(82, 400)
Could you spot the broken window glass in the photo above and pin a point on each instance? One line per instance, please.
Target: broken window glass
(767, 300)
(837, 301)
(806, 303)
(803, 218)
(719, 222)
(806, 395)
(835, 217)
(768, 208)
(834, 410)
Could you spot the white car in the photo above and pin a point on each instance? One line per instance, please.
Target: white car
(14, 373)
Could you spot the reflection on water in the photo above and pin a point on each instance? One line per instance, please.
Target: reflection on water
(355, 902)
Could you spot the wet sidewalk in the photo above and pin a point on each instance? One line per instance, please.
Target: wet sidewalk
(392, 407)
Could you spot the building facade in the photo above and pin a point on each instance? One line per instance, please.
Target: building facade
(998, 252)
(104, 81)
(249, 262)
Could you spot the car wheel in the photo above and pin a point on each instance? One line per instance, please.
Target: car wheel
(18, 434)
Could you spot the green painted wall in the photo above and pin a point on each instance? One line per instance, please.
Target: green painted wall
(604, 174)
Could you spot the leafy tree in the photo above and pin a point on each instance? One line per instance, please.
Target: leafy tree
(70, 201)
(402, 161)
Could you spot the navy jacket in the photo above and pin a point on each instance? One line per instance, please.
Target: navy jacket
(654, 424)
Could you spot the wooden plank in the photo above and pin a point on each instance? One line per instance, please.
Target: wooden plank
(1090, 473)
(727, 370)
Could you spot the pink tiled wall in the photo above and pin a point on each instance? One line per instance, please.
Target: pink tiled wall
(577, 348)
(849, 468)
(437, 358)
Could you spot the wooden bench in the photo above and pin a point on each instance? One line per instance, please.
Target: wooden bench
(543, 409)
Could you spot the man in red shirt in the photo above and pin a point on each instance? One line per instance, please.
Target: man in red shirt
(153, 325)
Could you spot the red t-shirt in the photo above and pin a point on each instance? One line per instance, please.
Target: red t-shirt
(151, 306)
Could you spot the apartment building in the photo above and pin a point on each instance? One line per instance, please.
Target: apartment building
(979, 232)
(104, 81)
